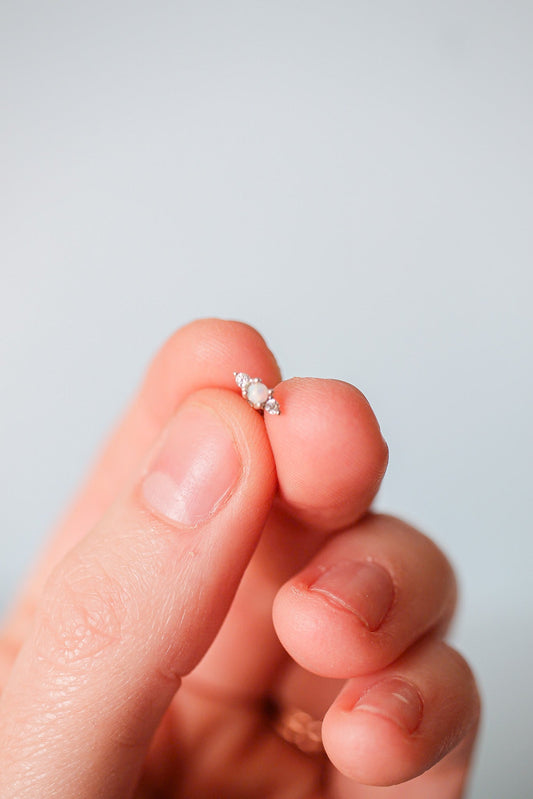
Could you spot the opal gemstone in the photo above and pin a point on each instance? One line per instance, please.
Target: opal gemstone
(257, 394)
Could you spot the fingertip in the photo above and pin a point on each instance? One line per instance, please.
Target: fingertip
(211, 338)
(329, 451)
(250, 437)
(369, 749)
(356, 606)
(205, 352)
(213, 442)
(393, 726)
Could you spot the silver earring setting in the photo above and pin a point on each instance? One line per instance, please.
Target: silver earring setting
(256, 393)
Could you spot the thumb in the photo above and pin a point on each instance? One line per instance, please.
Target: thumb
(135, 606)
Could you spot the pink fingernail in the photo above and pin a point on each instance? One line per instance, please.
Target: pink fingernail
(394, 699)
(195, 469)
(363, 588)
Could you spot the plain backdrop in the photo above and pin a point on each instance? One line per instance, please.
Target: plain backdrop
(354, 179)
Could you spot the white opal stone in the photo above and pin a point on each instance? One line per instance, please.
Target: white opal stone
(257, 394)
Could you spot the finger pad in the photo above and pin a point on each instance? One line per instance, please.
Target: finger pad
(329, 451)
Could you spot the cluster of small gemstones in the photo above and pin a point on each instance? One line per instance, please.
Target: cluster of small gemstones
(258, 395)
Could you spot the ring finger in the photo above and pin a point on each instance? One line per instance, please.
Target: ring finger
(369, 594)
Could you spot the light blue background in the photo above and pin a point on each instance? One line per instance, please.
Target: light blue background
(353, 178)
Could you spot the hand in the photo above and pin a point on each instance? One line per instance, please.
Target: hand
(148, 638)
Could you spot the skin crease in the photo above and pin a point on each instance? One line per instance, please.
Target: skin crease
(143, 657)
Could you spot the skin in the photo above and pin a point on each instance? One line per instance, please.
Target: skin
(140, 655)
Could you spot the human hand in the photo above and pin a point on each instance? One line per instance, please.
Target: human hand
(204, 519)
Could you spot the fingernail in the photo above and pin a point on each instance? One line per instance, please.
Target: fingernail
(195, 469)
(394, 699)
(365, 589)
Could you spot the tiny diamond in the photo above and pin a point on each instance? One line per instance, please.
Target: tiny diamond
(242, 379)
(272, 406)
